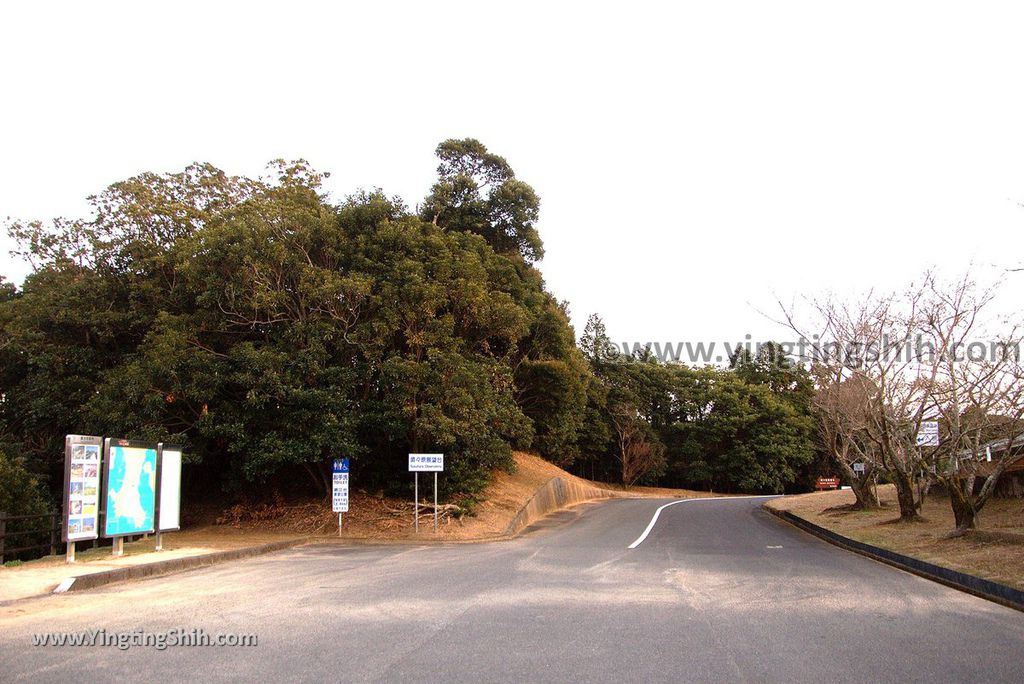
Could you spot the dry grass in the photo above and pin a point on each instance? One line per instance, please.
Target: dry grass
(995, 560)
(376, 517)
(654, 492)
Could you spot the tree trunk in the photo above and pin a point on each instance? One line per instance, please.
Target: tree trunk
(905, 496)
(860, 484)
(862, 489)
(319, 478)
(964, 513)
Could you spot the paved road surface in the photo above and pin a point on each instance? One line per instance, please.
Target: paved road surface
(718, 591)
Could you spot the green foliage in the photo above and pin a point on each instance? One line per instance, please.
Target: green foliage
(20, 492)
(746, 429)
(477, 192)
(271, 331)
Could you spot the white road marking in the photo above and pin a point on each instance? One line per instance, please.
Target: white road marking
(654, 520)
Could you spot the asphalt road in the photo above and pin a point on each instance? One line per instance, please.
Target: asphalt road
(718, 591)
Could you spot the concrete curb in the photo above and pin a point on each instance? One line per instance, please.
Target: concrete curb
(982, 588)
(135, 572)
(553, 495)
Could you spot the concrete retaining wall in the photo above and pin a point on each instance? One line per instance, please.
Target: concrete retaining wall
(555, 494)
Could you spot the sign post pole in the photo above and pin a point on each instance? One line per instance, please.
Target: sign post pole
(927, 436)
(70, 556)
(118, 548)
(159, 541)
(339, 489)
(424, 463)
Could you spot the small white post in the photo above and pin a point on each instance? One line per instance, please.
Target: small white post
(118, 548)
(435, 501)
(416, 506)
(159, 541)
(339, 523)
(70, 557)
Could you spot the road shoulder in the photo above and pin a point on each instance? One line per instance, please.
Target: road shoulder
(995, 591)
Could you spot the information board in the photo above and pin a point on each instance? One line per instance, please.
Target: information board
(426, 463)
(340, 485)
(169, 510)
(82, 459)
(130, 488)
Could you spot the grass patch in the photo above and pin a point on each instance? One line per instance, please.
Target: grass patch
(927, 539)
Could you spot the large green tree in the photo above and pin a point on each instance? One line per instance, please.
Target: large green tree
(272, 330)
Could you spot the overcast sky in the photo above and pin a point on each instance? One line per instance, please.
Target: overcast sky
(693, 161)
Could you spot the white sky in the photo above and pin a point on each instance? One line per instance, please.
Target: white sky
(692, 160)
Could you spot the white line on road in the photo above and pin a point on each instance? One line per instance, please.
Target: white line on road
(654, 520)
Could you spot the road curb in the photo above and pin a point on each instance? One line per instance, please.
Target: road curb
(135, 572)
(982, 588)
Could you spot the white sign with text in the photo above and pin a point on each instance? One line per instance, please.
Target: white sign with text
(426, 463)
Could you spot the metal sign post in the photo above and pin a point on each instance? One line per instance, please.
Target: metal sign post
(339, 488)
(424, 463)
(927, 436)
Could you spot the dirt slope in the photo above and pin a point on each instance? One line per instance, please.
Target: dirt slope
(373, 517)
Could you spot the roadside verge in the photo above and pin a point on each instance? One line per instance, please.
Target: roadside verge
(983, 588)
(141, 571)
(556, 494)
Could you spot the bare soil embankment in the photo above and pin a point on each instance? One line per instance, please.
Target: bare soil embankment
(377, 517)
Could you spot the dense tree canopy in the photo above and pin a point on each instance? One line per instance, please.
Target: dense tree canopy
(271, 330)
(748, 428)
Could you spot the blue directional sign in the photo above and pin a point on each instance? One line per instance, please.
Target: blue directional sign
(340, 485)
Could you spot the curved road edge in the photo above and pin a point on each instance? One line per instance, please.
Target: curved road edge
(992, 591)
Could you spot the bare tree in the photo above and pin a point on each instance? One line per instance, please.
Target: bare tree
(839, 406)
(892, 362)
(640, 453)
(874, 343)
(978, 397)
